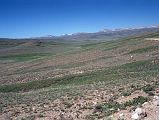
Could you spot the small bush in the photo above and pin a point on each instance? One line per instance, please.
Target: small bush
(23, 119)
(125, 93)
(148, 88)
(67, 104)
(111, 107)
(40, 115)
(108, 108)
(135, 87)
(136, 101)
(151, 93)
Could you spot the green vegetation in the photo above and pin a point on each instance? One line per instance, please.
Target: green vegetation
(122, 74)
(143, 50)
(148, 88)
(24, 57)
(126, 93)
(108, 108)
(108, 45)
(156, 34)
(141, 66)
(136, 101)
(112, 106)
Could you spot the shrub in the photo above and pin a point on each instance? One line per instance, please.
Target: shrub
(111, 107)
(125, 93)
(148, 88)
(151, 93)
(108, 108)
(136, 101)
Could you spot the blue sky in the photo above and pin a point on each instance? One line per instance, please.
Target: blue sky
(30, 18)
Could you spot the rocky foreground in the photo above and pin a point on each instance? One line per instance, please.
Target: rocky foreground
(92, 105)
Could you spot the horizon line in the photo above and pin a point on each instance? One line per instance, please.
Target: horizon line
(69, 34)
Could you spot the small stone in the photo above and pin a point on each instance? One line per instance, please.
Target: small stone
(131, 56)
(33, 108)
(156, 97)
(157, 90)
(94, 102)
(156, 100)
(145, 103)
(121, 116)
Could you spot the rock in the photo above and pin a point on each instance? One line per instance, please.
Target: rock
(139, 111)
(145, 103)
(33, 108)
(156, 97)
(131, 56)
(156, 100)
(135, 116)
(94, 102)
(156, 103)
(157, 91)
(121, 116)
(118, 109)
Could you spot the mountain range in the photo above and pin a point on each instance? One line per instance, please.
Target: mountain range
(105, 34)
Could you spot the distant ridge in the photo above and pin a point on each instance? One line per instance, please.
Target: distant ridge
(105, 34)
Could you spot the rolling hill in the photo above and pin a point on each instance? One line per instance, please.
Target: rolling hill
(84, 76)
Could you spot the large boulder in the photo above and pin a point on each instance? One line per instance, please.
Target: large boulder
(135, 116)
(139, 113)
